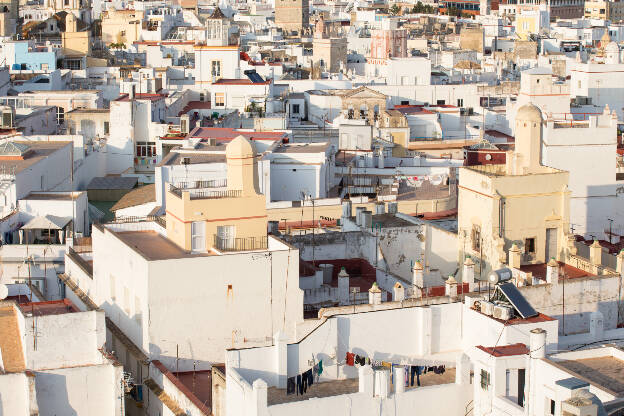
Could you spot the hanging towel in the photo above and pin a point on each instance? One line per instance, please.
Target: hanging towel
(350, 358)
(299, 385)
(320, 367)
(386, 364)
(291, 385)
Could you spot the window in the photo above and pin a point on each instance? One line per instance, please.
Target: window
(552, 407)
(44, 67)
(60, 115)
(202, 96)
(106, 127)
(66, 2)
(74, 64)
(485, 380)
(460, 102)
(215, 68)
(440, 102)
(123, 33)
(579, 84)
(476, 238)
(198, 239)
(529, 246)
(145, 149)
(295, 108)
(219, 99)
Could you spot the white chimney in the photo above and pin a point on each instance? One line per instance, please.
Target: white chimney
(552, 272)
(343, 287)
(468, 273)
(374, 294)
(398, 292)
(537, 343)
(418, 275)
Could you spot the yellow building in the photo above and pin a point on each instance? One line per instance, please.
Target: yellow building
(74, 42)
(121, 26)
(605, 10)
(521, 203)
(228, 218)
(532, 19)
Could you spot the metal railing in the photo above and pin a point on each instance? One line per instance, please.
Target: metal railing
(199, 194)
(124, 220)
(240, 244)
(215, 183)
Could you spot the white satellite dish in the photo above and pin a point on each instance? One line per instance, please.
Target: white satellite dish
(4, 291)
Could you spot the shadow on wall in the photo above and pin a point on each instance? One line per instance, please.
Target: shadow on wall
(52, 394)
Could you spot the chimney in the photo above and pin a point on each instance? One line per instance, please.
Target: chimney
(552, 271)
(468, 273)
(358, 215)
(398, 292)
(374, 294)
(392, 208)
(537, 343)
(417, 275)
(343, 287)
(515, 256)
(450, 287)
(380, 208)
(595, 253)
(346, 210)
(132, 92)
(367, 219)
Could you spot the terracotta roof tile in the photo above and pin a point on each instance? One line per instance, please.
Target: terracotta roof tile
(11, 341)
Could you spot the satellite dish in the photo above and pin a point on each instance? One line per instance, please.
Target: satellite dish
(4, 291)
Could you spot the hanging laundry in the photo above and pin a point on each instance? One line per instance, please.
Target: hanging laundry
(412, 374)
(368, 360)
(291, 385)
(320, 367)
(350, 358)
(386, 364)
(304, 382)
(419, 371)
(299, 385)
(406, 375)
(309, 377)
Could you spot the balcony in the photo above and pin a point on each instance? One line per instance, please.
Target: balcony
(240, 244)
(206, 194)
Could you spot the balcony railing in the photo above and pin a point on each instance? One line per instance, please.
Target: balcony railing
(240, 244)
(202, 194)
(215, 183)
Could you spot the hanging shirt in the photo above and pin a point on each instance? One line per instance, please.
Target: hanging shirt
(299, 385)
(350, 358)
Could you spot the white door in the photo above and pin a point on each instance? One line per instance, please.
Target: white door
(227, 236)
(198, 236)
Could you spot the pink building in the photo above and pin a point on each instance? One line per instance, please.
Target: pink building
(388, 43)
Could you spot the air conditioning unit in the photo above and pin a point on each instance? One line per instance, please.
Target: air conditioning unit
(502, 312)
(487, 308)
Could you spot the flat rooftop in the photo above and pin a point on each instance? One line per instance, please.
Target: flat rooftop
(349, 386)
(52, 307)
(199, 383)
(52, 196)
(303, 147)
(153, 246)
(607, 371)
(570, 272)
(38, 152)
